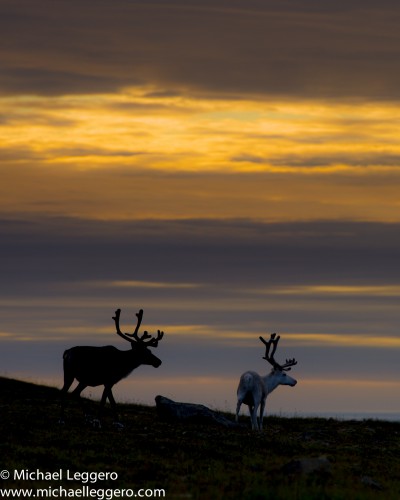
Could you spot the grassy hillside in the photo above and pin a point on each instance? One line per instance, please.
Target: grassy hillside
(197, 461)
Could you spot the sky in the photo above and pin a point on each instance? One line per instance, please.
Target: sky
(231, 167)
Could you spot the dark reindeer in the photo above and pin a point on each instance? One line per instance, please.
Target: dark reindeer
(253, 389)
(94, 366)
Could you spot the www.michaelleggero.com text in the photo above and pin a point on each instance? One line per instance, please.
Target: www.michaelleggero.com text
(89, 485)
(83, 492)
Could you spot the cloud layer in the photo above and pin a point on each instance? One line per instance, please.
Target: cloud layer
(299, 49)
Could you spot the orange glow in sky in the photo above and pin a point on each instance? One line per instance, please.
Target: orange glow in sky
(258, 159)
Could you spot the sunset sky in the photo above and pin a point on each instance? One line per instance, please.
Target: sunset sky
(232, 167)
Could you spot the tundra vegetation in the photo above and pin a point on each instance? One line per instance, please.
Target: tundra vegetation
(361, 459)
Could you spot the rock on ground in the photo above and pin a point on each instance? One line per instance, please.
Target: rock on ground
(189, 412)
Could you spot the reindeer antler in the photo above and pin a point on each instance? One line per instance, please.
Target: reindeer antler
(154, 341)
(125, 336)
(273, 341)
(289, 363)
(134, 336)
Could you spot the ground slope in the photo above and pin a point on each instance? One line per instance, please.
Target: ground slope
(362, 458)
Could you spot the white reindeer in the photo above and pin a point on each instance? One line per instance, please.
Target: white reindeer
(253, 389)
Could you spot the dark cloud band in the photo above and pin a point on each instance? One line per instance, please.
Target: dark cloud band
(333, 49)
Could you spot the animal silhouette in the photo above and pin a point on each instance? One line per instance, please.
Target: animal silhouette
(107, 365)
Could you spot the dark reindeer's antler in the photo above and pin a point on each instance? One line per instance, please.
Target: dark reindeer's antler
(273, 342)
(155, 340)
(134, 337)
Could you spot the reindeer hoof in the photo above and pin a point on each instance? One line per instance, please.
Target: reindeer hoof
(119, 425)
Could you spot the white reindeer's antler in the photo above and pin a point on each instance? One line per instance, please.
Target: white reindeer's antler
(273, 341)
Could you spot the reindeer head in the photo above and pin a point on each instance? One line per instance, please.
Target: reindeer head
(140, 344)
(278, 369)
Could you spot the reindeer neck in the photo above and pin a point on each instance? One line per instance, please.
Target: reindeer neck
(270, 381)
(130, 358)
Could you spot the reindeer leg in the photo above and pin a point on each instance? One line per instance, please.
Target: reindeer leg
(68, 380)
(113, 404)
(239, 404)
(253, 417)
(112, 401)
(76, 393)
(103, 400)
(257, 425)
(262, 406)
(97, 421)
(257, 422)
